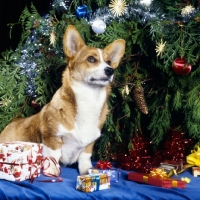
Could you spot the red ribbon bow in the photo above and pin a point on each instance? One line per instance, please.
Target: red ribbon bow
(56, 176)
(103, 165)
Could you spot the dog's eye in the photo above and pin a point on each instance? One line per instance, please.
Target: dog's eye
(91, 59)
(108, 62)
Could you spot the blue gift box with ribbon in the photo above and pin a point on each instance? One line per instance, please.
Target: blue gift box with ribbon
(106, 167)
(112, 173)
(93, 182)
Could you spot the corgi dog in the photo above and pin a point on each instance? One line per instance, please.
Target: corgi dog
(71, 122)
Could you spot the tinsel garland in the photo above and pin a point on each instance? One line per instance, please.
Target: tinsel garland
(60, 5)
(31, 51)
(142, 159)
(31, 48)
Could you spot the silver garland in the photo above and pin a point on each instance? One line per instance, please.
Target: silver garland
(30, 51)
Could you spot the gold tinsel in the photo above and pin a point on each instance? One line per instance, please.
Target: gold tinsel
(138, 96)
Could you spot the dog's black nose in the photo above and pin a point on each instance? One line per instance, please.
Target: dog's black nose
(109, 71)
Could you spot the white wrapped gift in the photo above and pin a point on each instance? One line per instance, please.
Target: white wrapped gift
(20, 160)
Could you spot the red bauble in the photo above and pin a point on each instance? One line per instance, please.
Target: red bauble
(180, 66)
(34, 104)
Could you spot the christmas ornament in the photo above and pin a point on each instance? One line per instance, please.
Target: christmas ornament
(146, 2)
(52, 38)
(34, 104)
(4, 102)
(187, 10)
(160, 47)
(98, 26)
(117, 7)
(138, 96)
(83, 11)
(181, 67)
(125, 90)
(61, 5)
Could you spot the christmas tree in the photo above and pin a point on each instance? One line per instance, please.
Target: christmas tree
(156, 86)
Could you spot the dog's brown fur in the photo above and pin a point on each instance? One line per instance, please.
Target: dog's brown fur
(57, 120)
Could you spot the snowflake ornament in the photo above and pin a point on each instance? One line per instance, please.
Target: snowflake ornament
(187, 10)
(52, 38)
(160, 47)
(117, 7)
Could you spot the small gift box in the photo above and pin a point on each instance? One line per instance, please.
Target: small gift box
(154, 179)
(112, 173)
(93, 182)
(196, 171)
(171, 167)
(20, 160)
(178, 165)
(106, 168)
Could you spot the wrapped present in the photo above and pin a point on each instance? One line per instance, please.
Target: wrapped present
(160, 180)
(178, 165)
(196, 171)
(112, 173)
(93, 182)
(171, 167)
(20, 160)
(106, 168)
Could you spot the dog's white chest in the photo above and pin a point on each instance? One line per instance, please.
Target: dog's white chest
(89, 106)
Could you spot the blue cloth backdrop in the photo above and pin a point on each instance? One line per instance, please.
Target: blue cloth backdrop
(124, 189)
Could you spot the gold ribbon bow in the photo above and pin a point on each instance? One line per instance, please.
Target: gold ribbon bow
(194, 158)
(158, 173)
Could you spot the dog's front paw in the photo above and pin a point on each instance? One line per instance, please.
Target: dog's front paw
(84, 166)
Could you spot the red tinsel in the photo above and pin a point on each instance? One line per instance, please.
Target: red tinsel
(174, 148)
(140, 159)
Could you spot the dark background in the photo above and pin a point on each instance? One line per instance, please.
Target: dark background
(10, 11)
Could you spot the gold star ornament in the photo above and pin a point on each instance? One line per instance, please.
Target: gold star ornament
(187, 10)
(117, 7)
(125, 91)
(160, 47)
(52, 38)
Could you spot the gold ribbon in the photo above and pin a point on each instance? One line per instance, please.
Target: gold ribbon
(158, 173)
(174, 184)
(186, 179)
(194, 158)
(145, 179)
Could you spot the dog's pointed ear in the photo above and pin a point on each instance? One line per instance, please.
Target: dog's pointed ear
(116, 51)
(72, 41)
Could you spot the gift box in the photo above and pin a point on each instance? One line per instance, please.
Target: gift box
(93, 182)
(20, 160)
(171, 167)
(112, 173)
(156, 181)
(196, 171)
(106, 167)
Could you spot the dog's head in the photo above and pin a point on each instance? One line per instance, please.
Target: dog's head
(88, 64)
